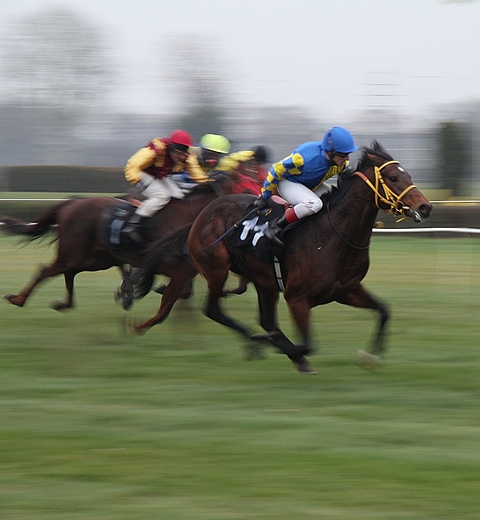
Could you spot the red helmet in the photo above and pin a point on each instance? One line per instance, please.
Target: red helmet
(181, 137)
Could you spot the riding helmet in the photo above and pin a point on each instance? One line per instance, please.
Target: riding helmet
(338, 139)
(215, 143)
(181, 140)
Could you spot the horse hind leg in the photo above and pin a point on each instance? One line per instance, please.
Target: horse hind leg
(214, 312)
(241, 287)
(186, 294)
(45, 272)
(216, 277)
(68, 303)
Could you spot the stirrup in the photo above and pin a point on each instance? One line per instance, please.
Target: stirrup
(271, 232)
(132, 232)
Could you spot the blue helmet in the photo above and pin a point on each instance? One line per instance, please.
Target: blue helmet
(337, 139)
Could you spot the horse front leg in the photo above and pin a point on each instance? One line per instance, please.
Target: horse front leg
(267, 301)
(360, 297)
(124, 294)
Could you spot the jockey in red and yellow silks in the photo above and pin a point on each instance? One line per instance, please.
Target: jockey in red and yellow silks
(150, 170)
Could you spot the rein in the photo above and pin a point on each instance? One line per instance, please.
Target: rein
(340, 235)
(391, 199)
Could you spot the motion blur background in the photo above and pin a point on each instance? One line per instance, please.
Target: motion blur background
(88, 82)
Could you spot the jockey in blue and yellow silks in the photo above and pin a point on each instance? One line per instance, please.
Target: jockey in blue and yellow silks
(300, 177)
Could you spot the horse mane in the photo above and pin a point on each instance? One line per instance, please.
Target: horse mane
(346, 179)
(374, 149)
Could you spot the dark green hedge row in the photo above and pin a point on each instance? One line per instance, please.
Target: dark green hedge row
(442, 216)
(63, 179)
(24, 210)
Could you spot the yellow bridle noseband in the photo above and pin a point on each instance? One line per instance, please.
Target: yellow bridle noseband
(391, 199)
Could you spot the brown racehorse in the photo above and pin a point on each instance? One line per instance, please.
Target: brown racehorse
(80, 231)
(324, 260)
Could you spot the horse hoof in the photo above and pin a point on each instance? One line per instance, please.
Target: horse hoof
(368, 361)
(254, 352)
(160, 289)
(13, 299)
(117, 294)
(126, 303)
(129, 324)
(264, 338)
(304, 367)
(131, 328)
(60, 306)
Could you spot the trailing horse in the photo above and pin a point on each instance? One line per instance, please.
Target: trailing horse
(325, 257)
(80, 228)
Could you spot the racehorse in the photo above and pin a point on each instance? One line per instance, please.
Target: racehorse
(325, 257)
(81, 247)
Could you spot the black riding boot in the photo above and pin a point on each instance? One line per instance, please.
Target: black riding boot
(132, 229)
(275, 228)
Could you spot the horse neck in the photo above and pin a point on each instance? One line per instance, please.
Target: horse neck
(353, 213)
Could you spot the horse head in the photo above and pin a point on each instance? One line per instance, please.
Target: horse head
(392, 184)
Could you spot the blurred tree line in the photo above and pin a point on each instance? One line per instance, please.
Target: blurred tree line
(57, 75)
(455, 157)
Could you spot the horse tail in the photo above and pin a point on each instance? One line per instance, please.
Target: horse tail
(33, 230)
(173, 249)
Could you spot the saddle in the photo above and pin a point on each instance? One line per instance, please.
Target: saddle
(249, 233)
(113, 220)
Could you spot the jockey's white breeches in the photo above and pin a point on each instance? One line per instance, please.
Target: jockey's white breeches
(158, 193)
(305, 202)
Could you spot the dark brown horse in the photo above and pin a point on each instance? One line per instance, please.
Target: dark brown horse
(81, 246)
(324, 260)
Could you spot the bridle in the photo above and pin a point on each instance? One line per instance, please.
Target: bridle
(390, 199)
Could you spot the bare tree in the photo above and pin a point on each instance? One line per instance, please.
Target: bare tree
(57, 59)
(55, 75)
(198, 79)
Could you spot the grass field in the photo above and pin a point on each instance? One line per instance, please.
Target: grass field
(176, 425)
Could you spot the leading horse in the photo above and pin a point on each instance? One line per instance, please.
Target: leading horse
(79, 225)
(324, 260)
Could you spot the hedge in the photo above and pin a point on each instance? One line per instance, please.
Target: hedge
(63, 179)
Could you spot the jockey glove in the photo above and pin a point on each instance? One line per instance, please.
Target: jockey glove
(260, 203)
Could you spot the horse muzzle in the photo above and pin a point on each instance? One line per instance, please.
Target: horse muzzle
(420, 214)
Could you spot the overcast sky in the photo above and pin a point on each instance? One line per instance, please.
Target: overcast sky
(333, 57)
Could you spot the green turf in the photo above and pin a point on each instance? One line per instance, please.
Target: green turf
(176, 425)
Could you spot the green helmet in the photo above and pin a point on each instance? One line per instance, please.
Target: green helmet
(215, 143)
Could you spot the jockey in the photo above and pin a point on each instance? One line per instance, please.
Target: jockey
(300, 177)
(150, 169)
(211, 149)
(246, 162)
